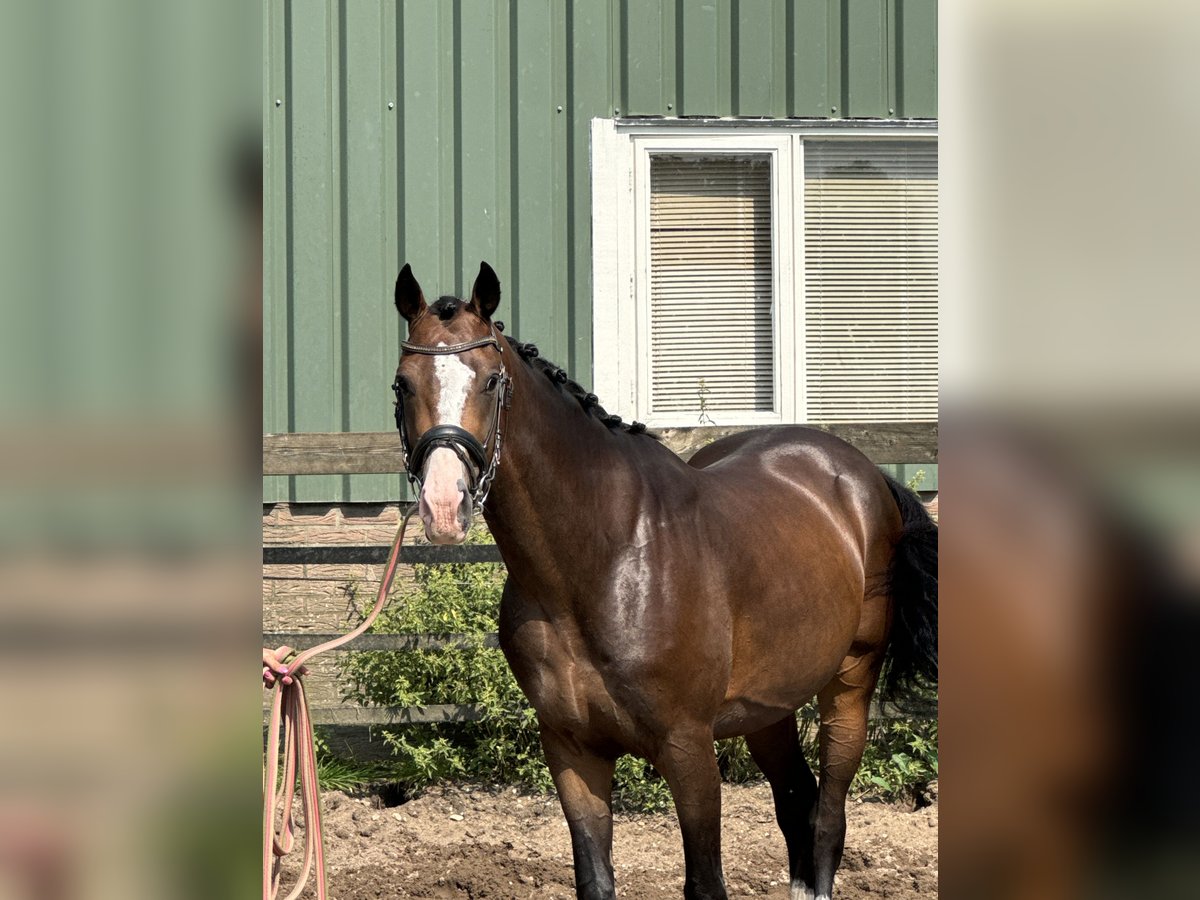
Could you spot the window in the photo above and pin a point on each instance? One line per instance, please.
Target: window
(750, 275)
(710, 289)
(870, 280)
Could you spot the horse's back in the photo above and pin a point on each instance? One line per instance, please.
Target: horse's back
(796, 464)
(794, 441)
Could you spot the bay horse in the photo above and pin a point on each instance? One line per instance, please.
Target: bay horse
(654, 605)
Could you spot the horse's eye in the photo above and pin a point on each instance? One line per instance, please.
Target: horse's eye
(402, 386)
(492, 381)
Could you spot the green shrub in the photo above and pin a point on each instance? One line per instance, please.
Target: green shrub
(637, 786)
(900, 761)
(504, 746)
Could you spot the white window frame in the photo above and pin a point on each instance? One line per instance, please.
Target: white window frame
(621, 153)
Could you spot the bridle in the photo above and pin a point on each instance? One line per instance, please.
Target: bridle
(469, 448)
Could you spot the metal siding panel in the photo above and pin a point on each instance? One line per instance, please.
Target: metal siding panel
(590, 95)
(915, 58)
(475, 161)
(672, 62)
(753, 66)
(725, 51)
(450, 144)
(449, 114)
(393, 329)
(420, 152)
(503, 76)
(701, 92)
(537, 310)
(642, 76)
(313, 201)
(835, 55)
(389, 335)
(866, 59)
(780, 50)
(366, 304)
(616, 52)
(275, 234)
(559, 301)
(429, 149)
(810, 58)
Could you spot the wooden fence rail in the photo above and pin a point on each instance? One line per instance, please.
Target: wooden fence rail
(349, 554)
(379, 453)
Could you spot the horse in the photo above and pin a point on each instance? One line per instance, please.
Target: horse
(654, 605)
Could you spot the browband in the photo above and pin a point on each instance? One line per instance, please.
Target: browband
(490, 340)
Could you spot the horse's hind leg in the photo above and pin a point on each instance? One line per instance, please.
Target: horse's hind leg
(584, 782)
(845, 703)
(776, 749)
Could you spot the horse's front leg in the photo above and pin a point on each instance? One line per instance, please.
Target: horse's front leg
(689, 764)
(584, 782)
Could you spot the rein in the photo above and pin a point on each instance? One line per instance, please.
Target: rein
(469, 448)
(290, 733)
(291, 722)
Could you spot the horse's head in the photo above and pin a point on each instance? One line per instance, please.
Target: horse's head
(451, 389)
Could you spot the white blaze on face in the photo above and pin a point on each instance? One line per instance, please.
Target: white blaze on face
(441, 496)
(454, 379)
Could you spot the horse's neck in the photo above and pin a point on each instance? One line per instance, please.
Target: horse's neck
(558, 491)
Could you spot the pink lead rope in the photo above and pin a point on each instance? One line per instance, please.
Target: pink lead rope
(290, 720)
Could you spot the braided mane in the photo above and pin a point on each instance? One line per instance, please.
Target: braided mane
(558, 376)
(447, 307)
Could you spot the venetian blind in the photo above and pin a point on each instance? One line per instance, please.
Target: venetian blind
(711, 333)
(871, 280)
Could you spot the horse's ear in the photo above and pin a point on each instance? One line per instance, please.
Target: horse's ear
(409, 299)
(485, 296)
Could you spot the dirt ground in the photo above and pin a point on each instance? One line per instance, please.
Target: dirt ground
(482, 843)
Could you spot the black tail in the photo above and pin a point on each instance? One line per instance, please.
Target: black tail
(912, 663)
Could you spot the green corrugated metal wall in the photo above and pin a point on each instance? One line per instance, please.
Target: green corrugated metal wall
(443, 133)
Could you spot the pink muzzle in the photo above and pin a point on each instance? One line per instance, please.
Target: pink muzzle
(445, 505)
